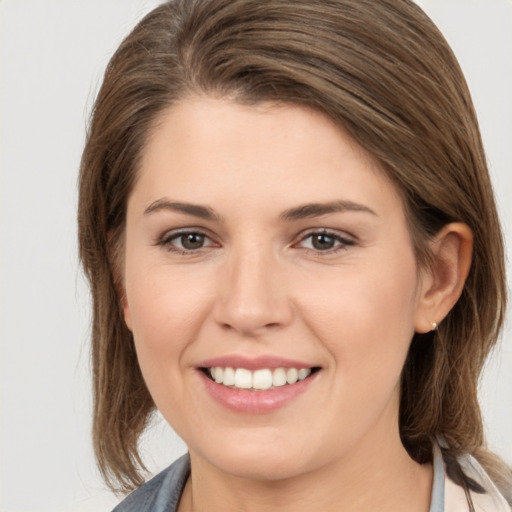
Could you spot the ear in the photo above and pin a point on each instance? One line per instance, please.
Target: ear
(443, 282)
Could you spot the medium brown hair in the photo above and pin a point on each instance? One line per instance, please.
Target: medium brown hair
(380, 69)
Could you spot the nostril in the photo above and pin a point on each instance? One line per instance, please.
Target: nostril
(249, 326)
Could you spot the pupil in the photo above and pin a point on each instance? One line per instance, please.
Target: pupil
(323, 242)
(192, 241)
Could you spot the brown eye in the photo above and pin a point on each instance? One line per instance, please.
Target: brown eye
(322, 242)
(185, 241)
(325, 242)
(192, 241)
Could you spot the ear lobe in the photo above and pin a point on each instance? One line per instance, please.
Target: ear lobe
(443, 284)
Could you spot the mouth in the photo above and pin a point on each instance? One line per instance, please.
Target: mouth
(262, 379)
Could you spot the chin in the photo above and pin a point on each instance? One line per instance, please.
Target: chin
(256, 459)
(259, 468)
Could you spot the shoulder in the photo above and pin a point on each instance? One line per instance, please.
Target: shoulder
(160, 494)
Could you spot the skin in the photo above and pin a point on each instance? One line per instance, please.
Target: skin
(260, 285)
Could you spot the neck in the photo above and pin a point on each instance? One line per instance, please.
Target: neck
(376, 475)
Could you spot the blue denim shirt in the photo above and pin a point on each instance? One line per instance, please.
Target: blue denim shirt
(160, 494)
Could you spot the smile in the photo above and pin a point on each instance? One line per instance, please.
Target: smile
(256, 385)
(257, 380)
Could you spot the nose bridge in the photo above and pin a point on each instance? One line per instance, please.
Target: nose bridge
(253, 296)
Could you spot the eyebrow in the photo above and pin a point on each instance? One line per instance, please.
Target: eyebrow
(195, 210)
(317, 209)
(304, 211)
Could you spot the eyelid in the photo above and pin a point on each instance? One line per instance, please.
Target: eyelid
(165, 240)
(345, 240)
(342, 239)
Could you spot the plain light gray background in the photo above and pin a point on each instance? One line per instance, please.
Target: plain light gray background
(52, 55)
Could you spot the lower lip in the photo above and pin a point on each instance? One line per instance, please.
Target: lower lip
(256, 402)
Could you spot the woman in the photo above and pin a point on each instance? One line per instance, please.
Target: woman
(294, 254)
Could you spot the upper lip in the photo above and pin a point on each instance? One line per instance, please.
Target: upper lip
(254, 363)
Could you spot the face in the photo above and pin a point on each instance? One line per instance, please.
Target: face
(271, 287)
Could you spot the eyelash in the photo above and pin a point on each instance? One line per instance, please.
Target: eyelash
(343, 242)
(167, 241)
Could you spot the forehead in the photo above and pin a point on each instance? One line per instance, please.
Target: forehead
(208, 150)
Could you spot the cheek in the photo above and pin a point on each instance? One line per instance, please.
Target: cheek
(170, 309)
(166, 309)
(162, 303)
(366, 318)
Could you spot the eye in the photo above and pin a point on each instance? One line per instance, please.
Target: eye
(185, 241)
(324, 241)
(191, 241)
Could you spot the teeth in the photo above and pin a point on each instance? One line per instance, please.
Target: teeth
(292, 374)
(218, 375)
(262, 379)
(243, 378)
(303, 373)
(229, 377)
(279, 377)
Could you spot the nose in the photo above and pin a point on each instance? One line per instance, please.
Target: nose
(252, 296)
